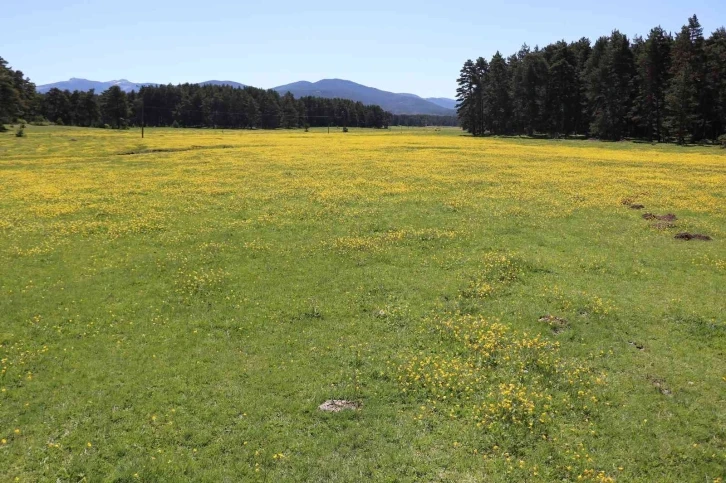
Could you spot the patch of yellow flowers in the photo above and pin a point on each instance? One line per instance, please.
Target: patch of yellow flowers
(511, 385)
(499, 377)
(64, 184)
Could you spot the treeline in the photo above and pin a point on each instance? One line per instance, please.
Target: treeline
(17, 94)
(663, 87)
(421, 120)
(185, 105)
(193, 105)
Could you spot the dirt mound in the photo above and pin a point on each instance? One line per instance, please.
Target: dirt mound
(668, 217)
(337, 405)
(660, 385)
(637, 345)
(692, 236)
(630, 202)
(557, 324)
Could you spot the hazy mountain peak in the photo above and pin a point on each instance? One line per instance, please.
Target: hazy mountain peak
(345, 89)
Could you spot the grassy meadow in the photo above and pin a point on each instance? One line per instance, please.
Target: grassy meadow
(177, 307)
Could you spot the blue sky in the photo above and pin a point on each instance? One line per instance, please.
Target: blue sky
(396, 45)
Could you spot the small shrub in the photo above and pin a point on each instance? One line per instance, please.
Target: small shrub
(20, 132)
(175, 124)
(307, 127)
(105, 126)
(59, 122)
(722, 140)
(3, 128)
(345, 129)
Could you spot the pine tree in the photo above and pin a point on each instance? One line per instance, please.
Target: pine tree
(10, 103)
(704, 98)
(466, 104)
(610, 85)
(288, 112)
(652, 66)
(498, 104)
(716, 79)
(528, 90)
(269, 104)
(57, 106)
(90, 112)
(481, 78)
(562, 101)
(581, 50)
(16, 93)
(515, 80)
(682, 95)
(114, 106)
(251, 113)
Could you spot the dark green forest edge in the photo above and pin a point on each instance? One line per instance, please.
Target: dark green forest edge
(190, 105)
(661, 88)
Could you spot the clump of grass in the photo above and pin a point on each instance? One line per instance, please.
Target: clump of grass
(497, 270)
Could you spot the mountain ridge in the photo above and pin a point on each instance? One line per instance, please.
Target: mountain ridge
(76, 83)
(403, 103)
(345, 89)
(443, 102)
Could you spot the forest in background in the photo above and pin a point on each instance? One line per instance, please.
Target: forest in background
(661, 87)
(190, 105)
(185, 105)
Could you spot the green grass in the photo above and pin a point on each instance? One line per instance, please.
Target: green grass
(178, 312)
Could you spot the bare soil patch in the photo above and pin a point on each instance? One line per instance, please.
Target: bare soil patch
(661, 386)
(557, 324)
(667, 217)
(692, 236)
(172, 150)
(337, 405)
(637, 345)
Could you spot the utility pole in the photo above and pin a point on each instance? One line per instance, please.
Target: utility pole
(142, 110)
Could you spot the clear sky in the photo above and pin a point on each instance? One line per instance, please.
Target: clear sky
(395, 45)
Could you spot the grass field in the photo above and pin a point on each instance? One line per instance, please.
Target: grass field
(176, 308)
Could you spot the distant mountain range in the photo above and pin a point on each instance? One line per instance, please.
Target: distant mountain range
(75, 84)
(328, 88)
(395, 103)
